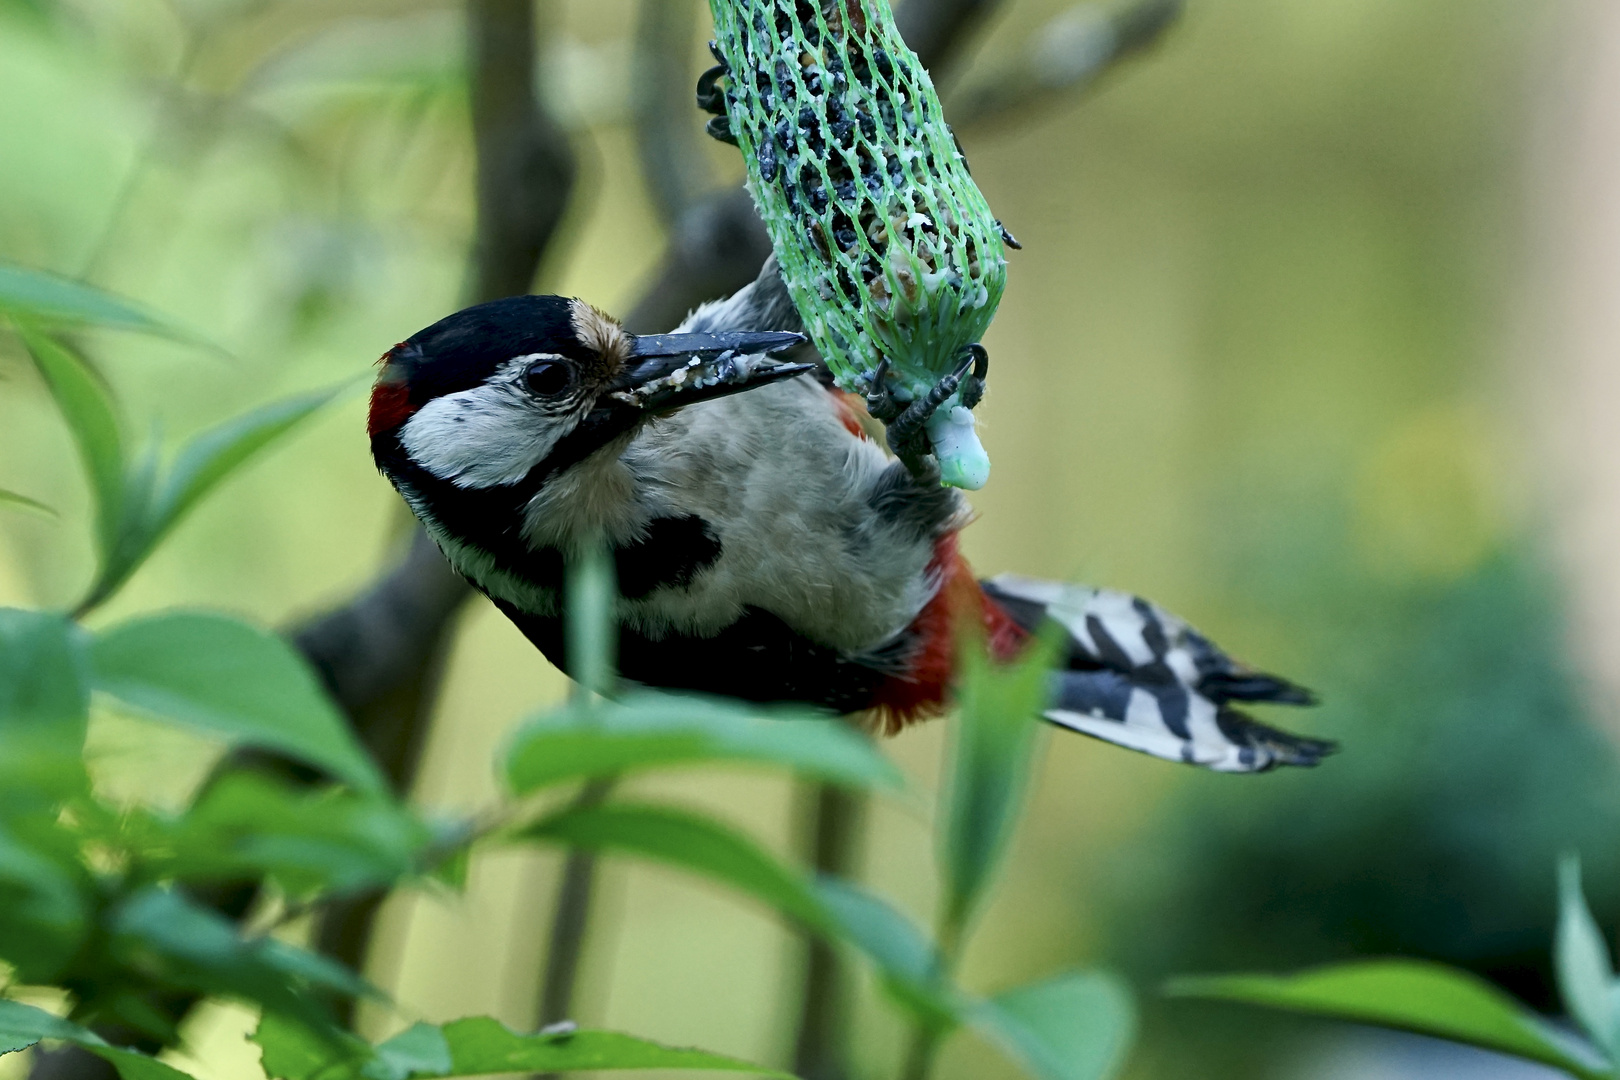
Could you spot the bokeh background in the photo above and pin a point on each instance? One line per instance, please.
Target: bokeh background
(1311, 340)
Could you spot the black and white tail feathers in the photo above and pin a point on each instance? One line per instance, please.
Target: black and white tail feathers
(1139, 677)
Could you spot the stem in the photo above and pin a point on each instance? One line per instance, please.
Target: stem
(592, 628)
(927, 1038)
(590, 623)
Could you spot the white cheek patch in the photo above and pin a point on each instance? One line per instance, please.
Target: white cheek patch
(490, 435)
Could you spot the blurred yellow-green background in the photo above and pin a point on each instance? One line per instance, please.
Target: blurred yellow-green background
(1309, 342)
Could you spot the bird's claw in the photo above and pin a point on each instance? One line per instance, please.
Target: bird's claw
(905, 422)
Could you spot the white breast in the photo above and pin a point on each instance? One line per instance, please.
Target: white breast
(787, 489)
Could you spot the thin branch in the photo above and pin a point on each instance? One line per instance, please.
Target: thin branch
(837, 825)
(383, 654)
(939, 31)
(570, 919)
(669, 130)
(718, 246)
(1065, 57)
(526, 167)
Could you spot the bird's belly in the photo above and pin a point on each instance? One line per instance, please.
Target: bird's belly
(756, 658)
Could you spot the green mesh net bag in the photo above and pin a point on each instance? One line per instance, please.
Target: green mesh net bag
(885, 243)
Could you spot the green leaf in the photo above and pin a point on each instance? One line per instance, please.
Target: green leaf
(481, 1045)
(247, 826)
(1077, 1026)
(44, 685)
(292, 1051)
(45, 903)
(85, 402)
(226, 678)
(21, 1026)
(153, 508)
(1428, 999)
(419, 1050)
(179, 943)
(646, 730)
(216, 453)
(989, 765)
(692, 843)
(477, 1046)
(1585, 972)
(907, 962)
(11, 498)
(35, 294)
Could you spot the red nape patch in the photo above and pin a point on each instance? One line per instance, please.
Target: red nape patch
(849, 407)
(920, 693)
(390, 407)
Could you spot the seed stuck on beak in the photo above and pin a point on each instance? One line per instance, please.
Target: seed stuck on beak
(668, 371)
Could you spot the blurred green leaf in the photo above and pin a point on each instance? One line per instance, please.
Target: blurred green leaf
(477, 1046)
(85, 402)
(216, 453)
(292, 1051)
(1410, 995)
(229, 679)
(50, 298)
(44, 709)
(647, 730)
(907, 963)
(247, 826)
(175, 941)
(45, 901)
(153, 507)
(481, 1045)
(44, 686)
(1585, 972)
(11, 498)
(989, 765)
(21, 1026)
(691, 842)
(1077, 1026)
(419, 1050)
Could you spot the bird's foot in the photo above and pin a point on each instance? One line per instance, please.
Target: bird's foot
(905, 423)
(711, 98)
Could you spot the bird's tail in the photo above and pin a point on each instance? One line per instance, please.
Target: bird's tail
(1140, 677)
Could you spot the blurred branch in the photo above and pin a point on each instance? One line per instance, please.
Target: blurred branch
(718, 246)
(570, 918)
(383, 654)
(668, 128)
(1064, 57)
(837, 818)
(938, 30)
(526, 167)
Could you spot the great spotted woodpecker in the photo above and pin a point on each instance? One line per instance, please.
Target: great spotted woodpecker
(767, 548)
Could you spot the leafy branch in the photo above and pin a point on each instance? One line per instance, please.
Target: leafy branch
(1443, 1002)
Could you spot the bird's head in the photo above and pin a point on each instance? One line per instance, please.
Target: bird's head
(515, 391)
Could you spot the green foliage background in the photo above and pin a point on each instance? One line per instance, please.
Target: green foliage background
(1250, 364)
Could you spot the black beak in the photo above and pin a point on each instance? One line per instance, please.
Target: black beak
(668, 371)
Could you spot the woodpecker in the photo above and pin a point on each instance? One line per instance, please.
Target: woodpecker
(767, 547)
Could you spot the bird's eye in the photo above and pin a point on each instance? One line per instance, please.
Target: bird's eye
(548, 378)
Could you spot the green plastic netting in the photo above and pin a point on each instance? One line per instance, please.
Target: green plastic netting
(886, 244)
